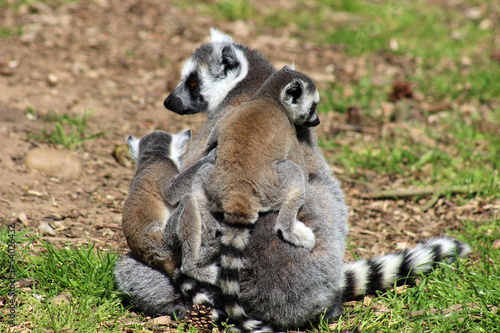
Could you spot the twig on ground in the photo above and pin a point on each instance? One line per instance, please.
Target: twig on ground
(355, 181)
(436, 193)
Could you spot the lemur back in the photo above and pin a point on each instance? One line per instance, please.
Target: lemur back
(166, 236)
(145, 212)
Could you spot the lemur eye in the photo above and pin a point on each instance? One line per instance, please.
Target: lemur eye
(192, 83)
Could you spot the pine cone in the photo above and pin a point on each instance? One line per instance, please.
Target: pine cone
(200, 318)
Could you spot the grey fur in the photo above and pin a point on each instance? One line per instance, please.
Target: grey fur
(151, 291)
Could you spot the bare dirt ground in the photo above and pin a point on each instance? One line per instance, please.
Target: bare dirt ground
(120, 59)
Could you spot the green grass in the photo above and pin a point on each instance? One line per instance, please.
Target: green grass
(10, 32)
(467, 156)
(67, 130)
(436, 37)
(83, 272)
(448, 61)
(232, 10)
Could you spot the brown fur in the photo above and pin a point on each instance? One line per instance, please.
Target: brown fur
(250, 143)
(145, 213)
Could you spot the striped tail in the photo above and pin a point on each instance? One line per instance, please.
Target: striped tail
(233, 243)
(366, 276)
(197, 292)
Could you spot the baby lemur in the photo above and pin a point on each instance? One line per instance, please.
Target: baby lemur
(260, 168)
(162, 235)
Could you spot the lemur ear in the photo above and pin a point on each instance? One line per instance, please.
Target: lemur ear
(179, 142)
(133, 146)
(228, 57)
(218, 37)
(294, 90)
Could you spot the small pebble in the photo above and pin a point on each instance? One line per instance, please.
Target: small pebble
(23, 218)
(52, 79)
(61, 299)
(54, 163)
(161, 321)
(46, 229)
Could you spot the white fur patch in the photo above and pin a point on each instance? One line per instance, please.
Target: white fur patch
(218, 37)
(201, 298)
(230, 287)
(256, 326)
(231, 262)
(304, 235)
(189, 67)
(235, 311)
(421, 259)
(299, 111)
(316, 97)
(133, 145)
(179, 145)
(235, 237)
(360, 269)
(187, 286)
(215, 89)
(389, 268)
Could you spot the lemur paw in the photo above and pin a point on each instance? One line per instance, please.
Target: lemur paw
(212, 156)
(208, 273)
(300, 235)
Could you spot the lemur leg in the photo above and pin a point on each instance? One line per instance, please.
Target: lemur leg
(189, 231)
(293, 189)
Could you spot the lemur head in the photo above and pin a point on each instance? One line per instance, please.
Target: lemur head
(211, 72)
(296, 93)
(159, 143)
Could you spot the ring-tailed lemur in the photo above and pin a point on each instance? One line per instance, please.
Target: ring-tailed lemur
(260, 168)
(283, 285)
(174, 238)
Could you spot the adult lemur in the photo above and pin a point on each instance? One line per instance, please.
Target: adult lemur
(281, 284)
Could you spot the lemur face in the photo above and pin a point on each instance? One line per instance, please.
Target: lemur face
(208, 76)
(300, 99)
(297, 95)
